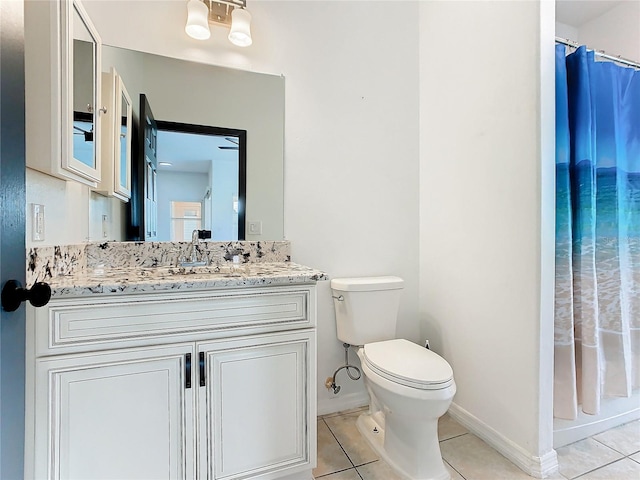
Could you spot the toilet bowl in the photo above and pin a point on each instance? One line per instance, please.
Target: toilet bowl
(402, 422)
(410, 387)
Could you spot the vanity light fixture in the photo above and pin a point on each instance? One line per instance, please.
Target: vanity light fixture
(228, 13)
(165, 164)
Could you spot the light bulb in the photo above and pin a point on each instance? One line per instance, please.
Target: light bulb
(197, 20)
(240, 33)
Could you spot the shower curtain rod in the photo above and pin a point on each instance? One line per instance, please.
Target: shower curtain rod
(571, 43)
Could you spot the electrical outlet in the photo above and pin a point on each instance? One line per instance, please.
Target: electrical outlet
(255, 228)
(105, 226)
(37, 222)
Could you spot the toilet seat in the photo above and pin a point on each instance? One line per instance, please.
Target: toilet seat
(406, 363)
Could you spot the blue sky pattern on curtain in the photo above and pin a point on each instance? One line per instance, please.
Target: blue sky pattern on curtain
(597, 231)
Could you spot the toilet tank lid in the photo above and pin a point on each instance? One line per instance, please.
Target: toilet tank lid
(363, 284)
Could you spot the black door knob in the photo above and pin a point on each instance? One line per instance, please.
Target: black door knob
(13, 295)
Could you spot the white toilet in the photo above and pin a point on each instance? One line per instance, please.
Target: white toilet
(410, 386)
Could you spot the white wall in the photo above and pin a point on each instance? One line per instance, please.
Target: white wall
(66, 207)
(351, 152)
(486, 214)
(224, 188)
(73, 213)
(566, 31)
(617, 32)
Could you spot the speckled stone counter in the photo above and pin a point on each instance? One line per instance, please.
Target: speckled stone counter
(135, 267)
(157, 279)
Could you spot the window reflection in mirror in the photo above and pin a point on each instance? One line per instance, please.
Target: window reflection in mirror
(83, 92)
(185, 218)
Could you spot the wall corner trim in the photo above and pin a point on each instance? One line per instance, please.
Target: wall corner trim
(533, 465)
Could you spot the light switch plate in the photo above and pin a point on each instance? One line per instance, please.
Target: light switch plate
(37, 222)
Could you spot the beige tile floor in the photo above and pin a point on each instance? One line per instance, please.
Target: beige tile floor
(344, 455)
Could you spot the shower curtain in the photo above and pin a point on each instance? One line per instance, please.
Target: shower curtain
(597, 303)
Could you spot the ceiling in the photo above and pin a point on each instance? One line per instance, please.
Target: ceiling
(192, 152)
(578, 12)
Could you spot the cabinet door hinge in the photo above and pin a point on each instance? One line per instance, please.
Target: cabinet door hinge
(187, 381)
(203, 379)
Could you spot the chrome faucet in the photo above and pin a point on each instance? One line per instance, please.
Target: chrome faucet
(193, 255)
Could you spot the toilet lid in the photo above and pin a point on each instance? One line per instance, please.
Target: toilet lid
(404, 362)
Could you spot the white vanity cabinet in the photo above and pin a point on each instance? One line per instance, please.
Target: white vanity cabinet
(207, 384)
(63, 99)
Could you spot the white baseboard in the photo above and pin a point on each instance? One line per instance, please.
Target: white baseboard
(539, 467)
(340, 403)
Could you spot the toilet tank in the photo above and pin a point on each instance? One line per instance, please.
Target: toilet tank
(366, 308)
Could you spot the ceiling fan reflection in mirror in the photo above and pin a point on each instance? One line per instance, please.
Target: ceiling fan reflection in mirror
(88, 134)
(229, 147)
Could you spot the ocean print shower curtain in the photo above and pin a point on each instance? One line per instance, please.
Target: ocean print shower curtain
(597, 304)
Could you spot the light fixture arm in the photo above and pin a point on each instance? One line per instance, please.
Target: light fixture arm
(231, 3)
(220, 11)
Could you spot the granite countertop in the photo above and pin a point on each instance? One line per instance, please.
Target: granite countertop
(165, 279)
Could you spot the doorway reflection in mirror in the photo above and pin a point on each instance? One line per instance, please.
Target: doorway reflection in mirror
(198, 183)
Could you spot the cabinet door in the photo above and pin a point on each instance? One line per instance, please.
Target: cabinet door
(257, 409)
(122, 157)
(116, 138)
(63, 99)
(124, 415)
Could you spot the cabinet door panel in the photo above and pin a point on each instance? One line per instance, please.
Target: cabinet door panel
(257, 406)
(121, 416)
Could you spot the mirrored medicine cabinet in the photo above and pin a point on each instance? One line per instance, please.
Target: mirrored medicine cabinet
(116, 138)
(63, 78)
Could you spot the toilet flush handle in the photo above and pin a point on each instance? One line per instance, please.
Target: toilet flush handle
(340, 298)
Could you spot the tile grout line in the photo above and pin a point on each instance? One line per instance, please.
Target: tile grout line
(343, 450)
(612, 448)
(455, 436)
(339, 444)
(595, 469)
(454, 469)
(354, 467)
(604, 444)
(336, 472)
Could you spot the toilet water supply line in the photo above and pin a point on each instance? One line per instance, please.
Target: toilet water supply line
(330, 382)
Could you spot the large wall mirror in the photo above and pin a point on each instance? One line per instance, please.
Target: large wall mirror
(189, 93)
